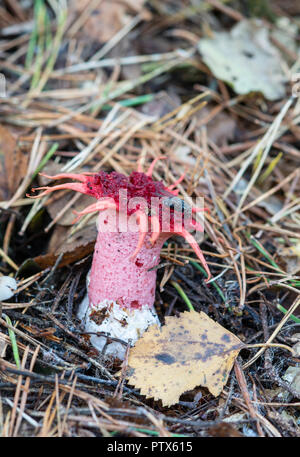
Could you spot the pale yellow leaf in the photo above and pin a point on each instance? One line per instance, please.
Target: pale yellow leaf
(188, 351)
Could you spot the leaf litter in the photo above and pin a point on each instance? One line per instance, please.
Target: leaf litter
(188, 351)
(80, 100)
(246, 59)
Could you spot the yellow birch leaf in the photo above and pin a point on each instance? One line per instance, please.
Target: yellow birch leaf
(188, 351)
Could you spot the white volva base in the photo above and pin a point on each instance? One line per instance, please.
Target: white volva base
(8, 286)
(118, 322)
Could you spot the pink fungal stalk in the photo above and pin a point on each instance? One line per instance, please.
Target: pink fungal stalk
(131, 232)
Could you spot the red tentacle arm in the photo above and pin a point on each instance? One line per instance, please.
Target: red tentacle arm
(142, 220)
(151, 168)
(195, 209)
(67, 186)
(194, 245)
(101, 205)
(155, 228)
(76, 177)
(174, 192)
(197, 226)
(172, 186)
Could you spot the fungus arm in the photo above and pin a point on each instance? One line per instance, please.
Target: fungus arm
(155, 227)
(151, 168)
(99, 206)
(77, 187)
(142, 220)
(194, 245)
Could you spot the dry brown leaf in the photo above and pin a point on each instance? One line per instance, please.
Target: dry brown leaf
(224, 430)
(13, 163)
(221, 128)
(188, 351)
(73, 248)
(106, 19)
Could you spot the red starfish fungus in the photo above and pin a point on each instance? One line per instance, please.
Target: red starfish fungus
(136, 216)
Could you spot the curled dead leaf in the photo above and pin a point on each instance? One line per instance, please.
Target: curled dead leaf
(224, 430)
(73, 248)
(13, 163)
(188, 351)
(106, 18)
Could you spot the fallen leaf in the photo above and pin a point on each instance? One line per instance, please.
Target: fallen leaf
(107, 18)
(73, 248)
(221, 128)
(223, 430)
(188, 351)
(285, 32)
(13, 163)
(246, 59)
(162, 104)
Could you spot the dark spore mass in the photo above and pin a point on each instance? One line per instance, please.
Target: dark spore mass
(165, 358)
(226, 338)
